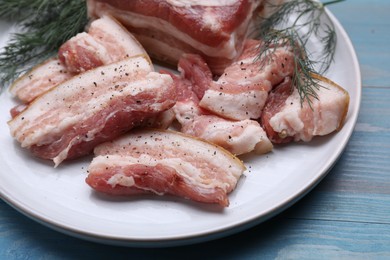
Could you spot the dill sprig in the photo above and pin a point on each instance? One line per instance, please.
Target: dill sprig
(43, 25)
(294, 24)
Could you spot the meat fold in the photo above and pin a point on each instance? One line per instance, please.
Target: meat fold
(168, 28)
(242, 90)
(165, 162)
(106, 42)
(96, 106)
(237, 136)
(286, 119)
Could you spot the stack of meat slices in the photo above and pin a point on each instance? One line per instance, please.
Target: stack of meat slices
(253, 93)
(103, 84)
(96, 106)
(167, 29)
(237, 136)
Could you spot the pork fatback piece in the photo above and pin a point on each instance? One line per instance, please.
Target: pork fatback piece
(165, 162)
(168, 28)
(285, 119)
(107, 41)
(40, 79)
(242, 90)
(96, 106)
(237, 136)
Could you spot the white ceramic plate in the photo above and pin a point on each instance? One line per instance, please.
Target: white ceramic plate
(60, 198)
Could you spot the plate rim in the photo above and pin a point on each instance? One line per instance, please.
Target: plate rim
(221, 231)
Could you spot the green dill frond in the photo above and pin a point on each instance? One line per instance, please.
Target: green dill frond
(295, 23)
(43, 26)
(329, 46)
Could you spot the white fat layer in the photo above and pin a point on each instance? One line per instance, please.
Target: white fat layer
(262, 75)
(186, 111)
(239, 106)
(239, 81)
(226, 49)
(121, 179)
(211, 21)
(64, 153)
(191, 174)
(288, 119)
(210, 3)
(47, 74)
(176, 146)
(88, 42)
(40, 70)
(83, 96)
(265, 145)
(118, 37)
(240, 142)
(325, 117)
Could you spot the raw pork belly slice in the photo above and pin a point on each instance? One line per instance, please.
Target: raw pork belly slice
(242, 90)
(238, 137)
(168, 28)
(107, 41)
(96, 106)
(285, 120)
(161, 162)
(39, 80)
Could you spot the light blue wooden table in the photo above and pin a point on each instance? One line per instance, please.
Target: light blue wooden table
(346, 216)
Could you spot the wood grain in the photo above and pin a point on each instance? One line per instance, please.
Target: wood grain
(358, 187)
(282, 237)
(367, 24)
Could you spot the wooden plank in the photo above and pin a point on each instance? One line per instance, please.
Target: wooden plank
(368, 26)
(365, 164)
(307, 239)
(358, 187)
(344, 206)
(280, 238)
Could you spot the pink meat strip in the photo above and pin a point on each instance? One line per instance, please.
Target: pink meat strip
(164, 162)
(106, 42)
(70, 120)
(237, 136)
(168, 28)
(242, 90)
(40, 79)
(286, 119)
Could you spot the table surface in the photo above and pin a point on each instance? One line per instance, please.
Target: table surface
(346, 216)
